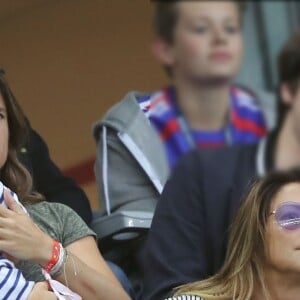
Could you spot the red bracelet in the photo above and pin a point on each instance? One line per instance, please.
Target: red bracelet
(54, 258)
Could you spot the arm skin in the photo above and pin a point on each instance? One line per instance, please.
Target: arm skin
(22, 239)
(50, 181)
(94, 278)
(40, 291)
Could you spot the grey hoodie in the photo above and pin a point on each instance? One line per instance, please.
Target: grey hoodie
(131, 166)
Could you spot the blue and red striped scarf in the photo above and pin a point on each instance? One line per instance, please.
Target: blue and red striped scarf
(246, 123)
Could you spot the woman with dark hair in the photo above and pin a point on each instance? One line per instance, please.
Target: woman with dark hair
(54, 237)
(262, 260)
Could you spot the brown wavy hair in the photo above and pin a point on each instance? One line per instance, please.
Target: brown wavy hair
(242, 273)
(13, 174)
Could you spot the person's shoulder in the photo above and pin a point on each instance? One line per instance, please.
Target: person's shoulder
(59, 220)
(245, 95)
(256, 100)
(130, 100)
(121, 113)
(49, 208)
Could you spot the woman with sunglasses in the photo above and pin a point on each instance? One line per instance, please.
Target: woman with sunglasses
(263, 254)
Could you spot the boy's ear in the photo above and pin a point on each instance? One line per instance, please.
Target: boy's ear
(163, 51)
(285, 94)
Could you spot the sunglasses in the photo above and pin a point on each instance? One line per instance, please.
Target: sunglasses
(287, 215)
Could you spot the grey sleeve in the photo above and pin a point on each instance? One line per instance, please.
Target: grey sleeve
(129, 187)
(73, 226)
(59, 221)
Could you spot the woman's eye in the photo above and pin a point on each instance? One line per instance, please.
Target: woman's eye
(2, 116)
(290, 216)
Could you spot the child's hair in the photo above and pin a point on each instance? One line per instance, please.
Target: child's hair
(166, 15)
(288, 65)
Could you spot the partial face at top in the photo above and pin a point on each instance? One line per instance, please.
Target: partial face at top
(4, 134)
(207, 42)
(283, 245)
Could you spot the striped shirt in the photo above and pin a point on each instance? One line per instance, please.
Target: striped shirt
(186, 297)
(246, 123)
(13, 286)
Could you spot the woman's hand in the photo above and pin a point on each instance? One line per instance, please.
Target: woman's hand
(40, 291)
(20, 237)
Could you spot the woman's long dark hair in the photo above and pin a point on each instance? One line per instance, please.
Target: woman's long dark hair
(13, 174)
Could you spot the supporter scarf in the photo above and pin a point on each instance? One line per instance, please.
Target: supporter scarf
(246, 123)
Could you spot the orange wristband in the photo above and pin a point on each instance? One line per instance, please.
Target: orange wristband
(55, 256)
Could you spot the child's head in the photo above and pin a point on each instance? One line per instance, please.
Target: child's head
(200, 40)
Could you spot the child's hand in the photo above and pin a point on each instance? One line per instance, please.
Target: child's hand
(40, 291)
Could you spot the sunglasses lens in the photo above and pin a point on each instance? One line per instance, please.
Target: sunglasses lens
(288, 216)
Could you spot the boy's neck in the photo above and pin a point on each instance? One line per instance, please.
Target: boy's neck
(205, 107)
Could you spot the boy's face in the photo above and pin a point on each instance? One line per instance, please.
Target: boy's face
(207, 44)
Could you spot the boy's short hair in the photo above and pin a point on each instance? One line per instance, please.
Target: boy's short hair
(288, 65)
(289, 62)
(166, 16)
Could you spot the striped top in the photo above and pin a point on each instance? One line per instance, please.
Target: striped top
(186, 297)
(246, 123)
(13, 286)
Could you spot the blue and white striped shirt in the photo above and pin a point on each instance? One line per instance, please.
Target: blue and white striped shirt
(186, 297)
(13, 286)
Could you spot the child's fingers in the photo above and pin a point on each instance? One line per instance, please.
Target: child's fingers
(11, 202)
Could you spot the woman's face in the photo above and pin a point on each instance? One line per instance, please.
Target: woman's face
(3, 133)
(207, 41)
(283, 245)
